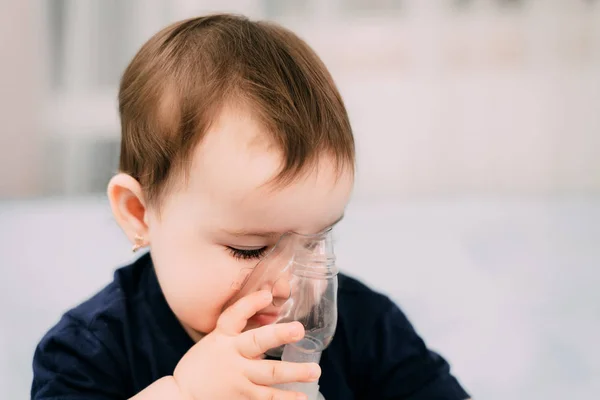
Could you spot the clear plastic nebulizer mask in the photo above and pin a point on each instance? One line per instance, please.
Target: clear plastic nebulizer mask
(302, 274)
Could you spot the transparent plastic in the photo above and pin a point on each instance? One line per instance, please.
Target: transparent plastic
(301, 272)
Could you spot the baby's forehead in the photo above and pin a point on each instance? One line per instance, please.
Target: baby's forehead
(233, 173)
(236, 165)
(244, 198)
(237, 154)
(231, 181)
(235, 149)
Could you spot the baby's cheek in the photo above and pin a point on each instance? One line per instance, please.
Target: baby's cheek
(187, 289)
(195, 304)
(212, 289)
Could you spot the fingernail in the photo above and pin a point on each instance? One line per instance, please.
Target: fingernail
(315, 372)
(296, 331)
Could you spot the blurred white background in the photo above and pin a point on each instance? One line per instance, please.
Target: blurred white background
(477, 205)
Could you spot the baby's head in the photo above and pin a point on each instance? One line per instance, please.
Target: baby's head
(233, 133)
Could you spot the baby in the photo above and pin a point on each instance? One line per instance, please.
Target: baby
(233, 133)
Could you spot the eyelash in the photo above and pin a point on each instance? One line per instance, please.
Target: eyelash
(253, 254)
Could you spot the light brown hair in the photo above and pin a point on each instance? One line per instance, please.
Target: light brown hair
(180, 79)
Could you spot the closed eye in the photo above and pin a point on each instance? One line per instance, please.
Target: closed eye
(244, 254)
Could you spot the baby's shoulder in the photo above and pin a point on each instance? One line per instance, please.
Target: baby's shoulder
(115, 301)
(362, 310)
(103, 320)
(91, 340)
(355, 295)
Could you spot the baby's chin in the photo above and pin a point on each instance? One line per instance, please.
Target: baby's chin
(194, 334)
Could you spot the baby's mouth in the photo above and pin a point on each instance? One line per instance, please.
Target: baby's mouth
(264, 318)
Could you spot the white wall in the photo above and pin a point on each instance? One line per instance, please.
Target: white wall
(488, 103)
(20, 97)
(479, 101)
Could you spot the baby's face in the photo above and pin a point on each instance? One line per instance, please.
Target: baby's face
(225, 219)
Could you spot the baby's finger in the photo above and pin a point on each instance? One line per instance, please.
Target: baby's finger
(255, 342)
(273, 372)
(233, 320)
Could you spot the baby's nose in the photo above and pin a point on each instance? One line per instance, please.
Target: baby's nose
(281, 290)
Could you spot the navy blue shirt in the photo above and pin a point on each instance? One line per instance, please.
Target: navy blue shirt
(126, 337)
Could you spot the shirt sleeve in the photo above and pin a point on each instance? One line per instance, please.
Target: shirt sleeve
(71, 363)
(401, 366)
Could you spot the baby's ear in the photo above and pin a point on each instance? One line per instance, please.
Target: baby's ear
(129, 208)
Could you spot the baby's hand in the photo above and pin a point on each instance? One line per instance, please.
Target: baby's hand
(226, 363)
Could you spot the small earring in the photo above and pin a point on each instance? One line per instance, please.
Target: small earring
(139, 243)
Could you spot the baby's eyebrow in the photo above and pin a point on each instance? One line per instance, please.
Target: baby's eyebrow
(271, 234)
(244, 233)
